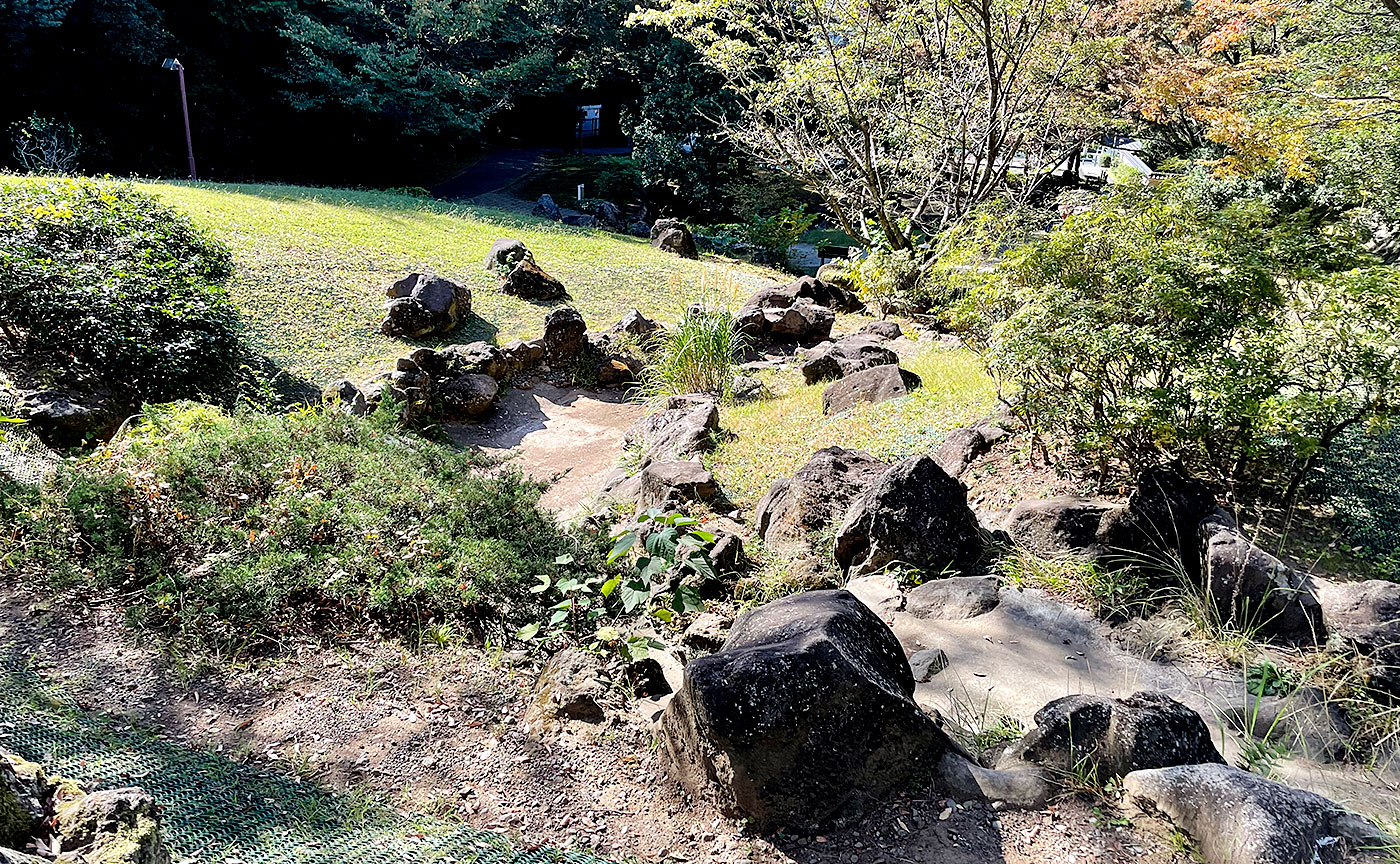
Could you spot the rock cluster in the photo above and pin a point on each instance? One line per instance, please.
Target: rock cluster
(672, 235)
(112, 826)
(422, 303)
(802, 311)
(816, 497)
(862, 367)
(462, 382)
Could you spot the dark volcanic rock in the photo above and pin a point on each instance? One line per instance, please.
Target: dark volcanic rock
(565, 336)
(545, 208)
(527, 281)
(1365, 616)
(817, 496)
(684, 426)
(504, 255)
(671, 483)
(914, 514)
(1255, 591)
(846, 356)
(1146, 730)
(672, 235)
(1162, 515)
(1059, 526)
(468, 397)
(875, 385)
(804, 718)
(964, 446)
(421, 303)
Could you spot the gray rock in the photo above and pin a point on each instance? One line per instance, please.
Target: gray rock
(953, 598)
(639, 228)
(1365, 617)
(672, 235)
(1240, 818)
(914, 515)
(1115, 736)
(636, 324)
(817, 496)
(422, 303)
(565, 336)
(468, 397)
(803, 321)
(481, 358)
(706, 633)
(346, 397)
(1060, 526)
(545, 208)
(803, 719)
(504, 255)
(748, 389)
(581, 220)
(1255, 591)
(528, 281)
(927, 663)
(727, 555)
(572, 685)
(882, 330)
(1305, 722)
(846, 356)
(113, 826)
(1024, 787)
(519, 356)
(964, 446)
(673, 483)
(607, 213)
(821, 293)
(23, 791)
(875, 385)
(684, 426)
(68, 416)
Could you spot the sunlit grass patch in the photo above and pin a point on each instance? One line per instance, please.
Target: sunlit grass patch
(772, 438)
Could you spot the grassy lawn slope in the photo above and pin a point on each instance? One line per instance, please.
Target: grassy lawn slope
(311, 266)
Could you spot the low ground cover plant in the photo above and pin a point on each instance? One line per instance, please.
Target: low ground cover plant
(244, 528)
(127, 286)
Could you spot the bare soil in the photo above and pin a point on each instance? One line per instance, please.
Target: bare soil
(440, 732)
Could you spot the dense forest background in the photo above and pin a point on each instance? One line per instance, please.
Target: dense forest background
(345, 91)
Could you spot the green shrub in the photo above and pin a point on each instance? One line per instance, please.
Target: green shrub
(697, 356)
(1233, 336)
(128, 286)
(886, 277)
(248, 527)
(619, 180)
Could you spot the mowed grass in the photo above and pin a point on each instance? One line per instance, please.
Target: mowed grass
(772, 438)
(311, 267)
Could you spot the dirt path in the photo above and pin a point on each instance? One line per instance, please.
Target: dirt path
(570, 434)
(493, 172)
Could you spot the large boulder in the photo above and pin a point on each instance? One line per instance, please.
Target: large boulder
(799, 312)
(565, 336)
(113, 826)
(803, 718)
(504, 255)
(872, 386)
(845, 356)
(528, 281)
(1162, 515)
(1365, 617)
(1112, 737)
(1237, 817)
(915, 515)
(1066, 525)
(817, 496)
(822, 293)
(608, 214)
(545, 208)
(468, 397)
(422, 303)
(684, 426)
(481, 358)
(1256, 592)
(672, 235)
(67, 416)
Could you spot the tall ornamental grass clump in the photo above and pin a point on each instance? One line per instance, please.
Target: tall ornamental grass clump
(698, 356)
(127, 286)
(243, 529)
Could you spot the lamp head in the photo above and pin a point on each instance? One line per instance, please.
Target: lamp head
(171, 63)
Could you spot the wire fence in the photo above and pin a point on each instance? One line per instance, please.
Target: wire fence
(1360, 478)
(23, 457)
(217, 811)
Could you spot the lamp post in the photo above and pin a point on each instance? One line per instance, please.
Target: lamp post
(175, 64)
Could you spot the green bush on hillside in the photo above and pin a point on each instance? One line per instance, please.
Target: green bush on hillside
(128, 286)
(1235, 336)
(245, 528)
(697, 356)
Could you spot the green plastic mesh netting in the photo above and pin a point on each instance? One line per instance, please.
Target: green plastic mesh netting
(222, 812)
(1360, 477)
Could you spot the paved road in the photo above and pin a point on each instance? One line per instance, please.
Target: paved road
(495, 171)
